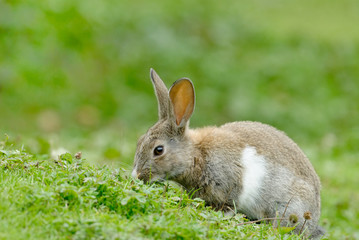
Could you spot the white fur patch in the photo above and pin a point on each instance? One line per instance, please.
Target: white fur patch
(253, 173)
(134, 173)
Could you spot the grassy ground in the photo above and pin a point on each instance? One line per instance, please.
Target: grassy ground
(68, 199)
(74, 75)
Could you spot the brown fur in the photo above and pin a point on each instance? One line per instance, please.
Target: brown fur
(207, 161)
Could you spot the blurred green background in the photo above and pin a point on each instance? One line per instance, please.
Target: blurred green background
(75, 74)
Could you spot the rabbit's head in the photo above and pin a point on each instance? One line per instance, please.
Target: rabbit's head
(164, 151)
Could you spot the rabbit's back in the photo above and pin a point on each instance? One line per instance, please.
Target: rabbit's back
(274, 145)
(277, 148)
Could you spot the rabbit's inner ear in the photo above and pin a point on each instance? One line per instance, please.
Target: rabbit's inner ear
(183, 98)
(161, 94)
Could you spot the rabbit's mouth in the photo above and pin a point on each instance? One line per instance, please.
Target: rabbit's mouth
(149, 176)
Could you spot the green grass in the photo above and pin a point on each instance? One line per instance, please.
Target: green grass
(75, 75)
(68, 199)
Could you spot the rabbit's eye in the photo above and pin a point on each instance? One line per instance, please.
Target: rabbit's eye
(158, 150)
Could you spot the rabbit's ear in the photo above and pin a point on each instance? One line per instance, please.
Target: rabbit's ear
(161, 94)
(183, 99)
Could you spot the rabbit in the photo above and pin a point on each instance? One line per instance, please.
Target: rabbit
(248, 166)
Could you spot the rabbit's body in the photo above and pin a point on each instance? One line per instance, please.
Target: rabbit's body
(254, 167)
(248, 166)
